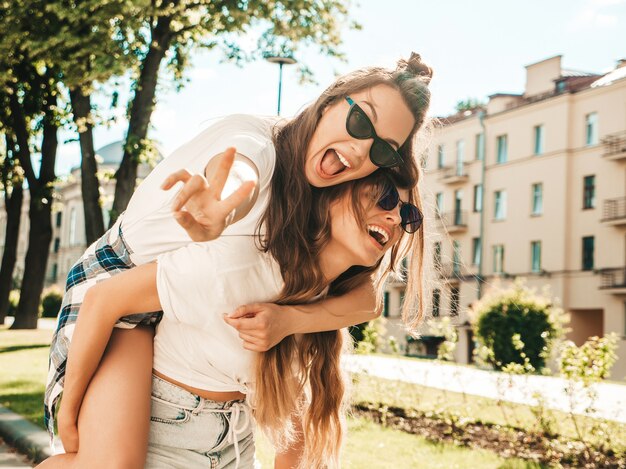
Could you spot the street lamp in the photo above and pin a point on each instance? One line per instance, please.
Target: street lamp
(280, 60)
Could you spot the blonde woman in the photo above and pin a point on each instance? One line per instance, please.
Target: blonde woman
(198, 359)
(365, 120)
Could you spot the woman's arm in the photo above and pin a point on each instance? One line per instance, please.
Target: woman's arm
(132, 291)
(263, 325)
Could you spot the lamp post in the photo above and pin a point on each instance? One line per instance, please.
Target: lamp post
(280, 60)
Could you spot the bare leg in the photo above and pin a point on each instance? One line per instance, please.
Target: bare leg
(114, 419)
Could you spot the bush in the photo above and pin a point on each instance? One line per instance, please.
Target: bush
(590, 362)
(14, 299)
(51, 303)
(516, 328)
(368, 337)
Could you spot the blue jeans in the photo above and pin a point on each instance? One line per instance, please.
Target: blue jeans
(188, 431)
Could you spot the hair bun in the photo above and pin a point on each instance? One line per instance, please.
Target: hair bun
(416, 66)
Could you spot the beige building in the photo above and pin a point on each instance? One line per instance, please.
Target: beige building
(68, 225)
(533, 185)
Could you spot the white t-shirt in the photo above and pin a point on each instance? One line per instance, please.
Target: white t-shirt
(197, 284)
(148, 225)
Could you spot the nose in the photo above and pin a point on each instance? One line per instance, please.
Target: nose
(393, 215)
(361, 149)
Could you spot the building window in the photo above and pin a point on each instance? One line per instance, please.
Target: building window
(54, 272)
(440, 157)
(57, 244)
(588, 243)
(500, 205)
(538, 139)
(437, 254)
(460, 157)
(591, 128)
(498, 259)
(456, 257)
(535, 248)
(72, 227)
(59, 218)
(476, 247)
(589, 192)
(501, 145)
(480, 146)
(537, 199)
(386, 305)
(478, 198)
(436, 301)
(455, 298)
(439, 202)
(458, 200)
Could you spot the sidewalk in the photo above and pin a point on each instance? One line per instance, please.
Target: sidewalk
(9, 459)
(25, 437)
(610, 403)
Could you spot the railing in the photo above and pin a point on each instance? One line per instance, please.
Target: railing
(454, 172)
(614, 209)
(614, 144)
(451, 270)
(456, 218)
(613, 278)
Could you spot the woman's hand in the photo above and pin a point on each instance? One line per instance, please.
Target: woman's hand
(261, 325)
(67, 423)
(198, 207)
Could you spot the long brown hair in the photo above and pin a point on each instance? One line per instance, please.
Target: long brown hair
(302, 378)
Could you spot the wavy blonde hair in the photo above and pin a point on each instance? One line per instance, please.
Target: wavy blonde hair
(301, 377)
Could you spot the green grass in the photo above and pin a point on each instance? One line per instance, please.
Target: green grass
(374, 447)
(23, 368)
(431, 400)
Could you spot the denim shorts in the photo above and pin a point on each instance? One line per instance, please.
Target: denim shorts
(188, 431)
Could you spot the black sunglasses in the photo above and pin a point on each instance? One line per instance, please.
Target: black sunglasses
(411, 216)
(360, 126)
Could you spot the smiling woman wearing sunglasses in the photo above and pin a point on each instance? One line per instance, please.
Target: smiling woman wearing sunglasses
(365, 120)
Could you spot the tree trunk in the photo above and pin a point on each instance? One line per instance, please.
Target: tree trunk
(40, 214)
(39, 237)
(13, 205)
(140, 113)
(90, 185)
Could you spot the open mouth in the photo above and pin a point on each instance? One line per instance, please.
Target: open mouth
(333, 163)
(379, 235)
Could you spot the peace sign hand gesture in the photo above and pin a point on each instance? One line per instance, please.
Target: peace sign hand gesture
(198, 206)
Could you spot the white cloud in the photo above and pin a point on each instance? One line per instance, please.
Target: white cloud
(593, 15)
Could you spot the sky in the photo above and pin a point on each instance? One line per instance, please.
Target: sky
(476, 48)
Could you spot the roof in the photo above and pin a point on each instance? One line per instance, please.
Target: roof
(111, 154)
(610, 78)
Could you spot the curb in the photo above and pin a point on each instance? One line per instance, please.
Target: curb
(24, 436)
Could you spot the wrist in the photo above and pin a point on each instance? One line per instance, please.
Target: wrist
(299, 319)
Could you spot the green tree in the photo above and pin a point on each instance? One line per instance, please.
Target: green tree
(177, 27)
(469, 104)
(89, 42)
(516, 328)
(11, 184)
(31, 116)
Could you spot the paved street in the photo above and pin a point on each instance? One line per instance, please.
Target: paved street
(610, 404)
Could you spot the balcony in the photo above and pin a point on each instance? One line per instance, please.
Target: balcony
(454, 174)
(453, 272)
(615, 146)
(455, 222)
(613, 280)
(614, 212)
